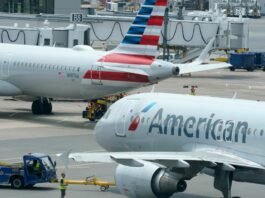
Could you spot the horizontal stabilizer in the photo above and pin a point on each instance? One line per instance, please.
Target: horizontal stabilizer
(128, 70)
(193, 67)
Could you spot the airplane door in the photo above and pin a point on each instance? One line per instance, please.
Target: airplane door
(124, 113)
(120, 122)
(96, 75)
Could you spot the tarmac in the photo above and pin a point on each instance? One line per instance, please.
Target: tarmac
(21, 133)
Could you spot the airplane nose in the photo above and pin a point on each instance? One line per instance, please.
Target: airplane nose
(102, 133)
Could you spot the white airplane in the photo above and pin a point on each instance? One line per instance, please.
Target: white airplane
(84, 73)
(161, 140)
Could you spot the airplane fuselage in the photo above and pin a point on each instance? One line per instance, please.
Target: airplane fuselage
(146, 122)
(69, 73)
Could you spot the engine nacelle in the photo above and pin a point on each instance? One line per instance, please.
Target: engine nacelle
(148, 181)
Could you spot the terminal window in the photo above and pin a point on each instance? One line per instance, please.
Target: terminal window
(27, 6)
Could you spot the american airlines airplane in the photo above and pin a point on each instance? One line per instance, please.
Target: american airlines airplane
(84, 73)
(161, 140)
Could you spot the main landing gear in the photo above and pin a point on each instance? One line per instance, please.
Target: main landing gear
(41, 106)
(223, 178)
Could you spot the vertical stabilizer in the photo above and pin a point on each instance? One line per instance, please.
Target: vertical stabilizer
(140, 43)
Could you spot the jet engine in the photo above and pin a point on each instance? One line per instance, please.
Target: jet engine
(149, 181)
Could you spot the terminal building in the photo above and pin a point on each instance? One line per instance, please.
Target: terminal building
(41, 6)
(83, 6)
(47, 22)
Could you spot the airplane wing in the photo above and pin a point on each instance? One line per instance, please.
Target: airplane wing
(197, 67)
(180, 159)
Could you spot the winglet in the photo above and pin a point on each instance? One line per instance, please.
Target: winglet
(65, 157)
(205, 51)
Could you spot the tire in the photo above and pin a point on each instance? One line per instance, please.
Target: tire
(36, 107)
(104, 188)
(47, 107)
(250, 69)
(232, 68)
(17, 182)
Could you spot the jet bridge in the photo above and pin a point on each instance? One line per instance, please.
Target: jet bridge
(195, 31)
(49, 36)
(230, 33)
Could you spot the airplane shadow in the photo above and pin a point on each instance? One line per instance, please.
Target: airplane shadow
(188, 195)
(221, 77)
(52, 119)
(28, 189)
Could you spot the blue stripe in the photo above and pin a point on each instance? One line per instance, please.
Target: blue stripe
(131, 39)
(150, 2)
(136, 30)
(140, 20)
(148, 107)
(145, 11)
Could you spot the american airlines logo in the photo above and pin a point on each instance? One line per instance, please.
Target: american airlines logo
(136, 121)
(202, 127)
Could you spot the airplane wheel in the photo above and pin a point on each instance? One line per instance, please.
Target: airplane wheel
(47, 107)
(17, 182)
(36, 107)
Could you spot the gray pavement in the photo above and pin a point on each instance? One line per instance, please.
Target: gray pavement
(21, 133)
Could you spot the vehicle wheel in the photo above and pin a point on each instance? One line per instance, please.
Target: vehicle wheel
(232, 68)
(36, 107)
(17, 183)
(104, 188)
(250, 69)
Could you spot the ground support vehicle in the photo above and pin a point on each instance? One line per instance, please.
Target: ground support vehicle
(23, 174)
(104, 185)
(97, 108)
(243, 61)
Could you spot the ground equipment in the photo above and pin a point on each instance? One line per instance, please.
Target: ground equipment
(104, 185)
(35, 168)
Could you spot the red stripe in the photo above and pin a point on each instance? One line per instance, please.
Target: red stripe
(161, 2)
(155, 20)
(128, 59)
(149, 40)
(116, 76)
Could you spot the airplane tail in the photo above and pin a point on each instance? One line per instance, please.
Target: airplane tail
(140, 43)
